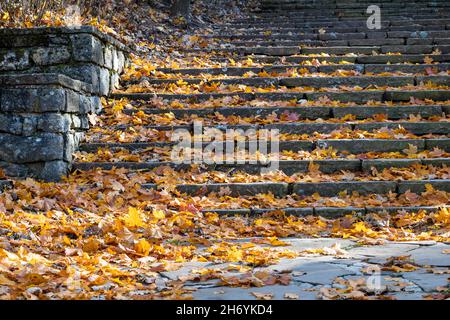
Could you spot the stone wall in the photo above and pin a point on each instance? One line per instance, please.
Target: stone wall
(82, 53)
(51, 79)
(43, 118)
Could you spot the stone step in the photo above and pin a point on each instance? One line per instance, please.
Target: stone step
(331, 12)
(344, 11)
(314, 81)
(341, 32)
(357, 146)
(362, 68)
(386, 43)
(339, 50)
(359, 97)
(4, 184)
(401, 95)
(300, 127)
(312, 113)
(330, 33)
(329, 43)
(305, 24)
(352, 146)
(326, 189)
(289, 167)
(326, 212)
(358, 59)
(417, 128)
(349, 34)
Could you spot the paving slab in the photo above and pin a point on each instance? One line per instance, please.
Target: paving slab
(431, 256)
(278, 292)
(427, 281)
(381, 253)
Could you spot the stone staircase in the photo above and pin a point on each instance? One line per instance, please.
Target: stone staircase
(360, 111)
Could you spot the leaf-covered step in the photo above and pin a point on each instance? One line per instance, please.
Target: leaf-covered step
(357, 146)
(327, 189)
(4, 184)
(360, 112)
(326, 212)
(330, 189)
(311, 81)
(353, 146)
(362, 81)
(388, 95)
(343, 96)
(419, 128)
(293, 50)
(406, 95)
(289, 167)
(361, 68)
(334, 22)
(326, 31)
(358, 59)
(235, 189)
(283, 26)
(420, 186)
(406, 68)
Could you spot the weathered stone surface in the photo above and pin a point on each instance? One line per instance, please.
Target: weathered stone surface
(50, 50)
(396, 112)
(16, 100)
(439, 80)
(381, 164)
(38, 114)
(54, 170)
(51, 100)
(226, 293)
(427, 281)
(408, 68)
(327, 166)
(89, 73)
(355, 96)
(357, 146)
(341, 50)
(395, 210)
(443, 144)
(419, 128)
(230, 212)
(40, 147)
(331, 189)
(301, 128)
(14, 60)
(408, 49)
(337, 212)
(287, 211)
(431, 256)
(87, 48)
(104, 81)
(71, 141)
(437, 95)
(236, 189)
(376, 42)
(108, 56)
(51, 55)
(419, 186)
(362, 81)
(321, 273)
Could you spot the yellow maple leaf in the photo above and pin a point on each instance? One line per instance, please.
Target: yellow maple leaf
(143, 247)
(133, 218)
(159, 214)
